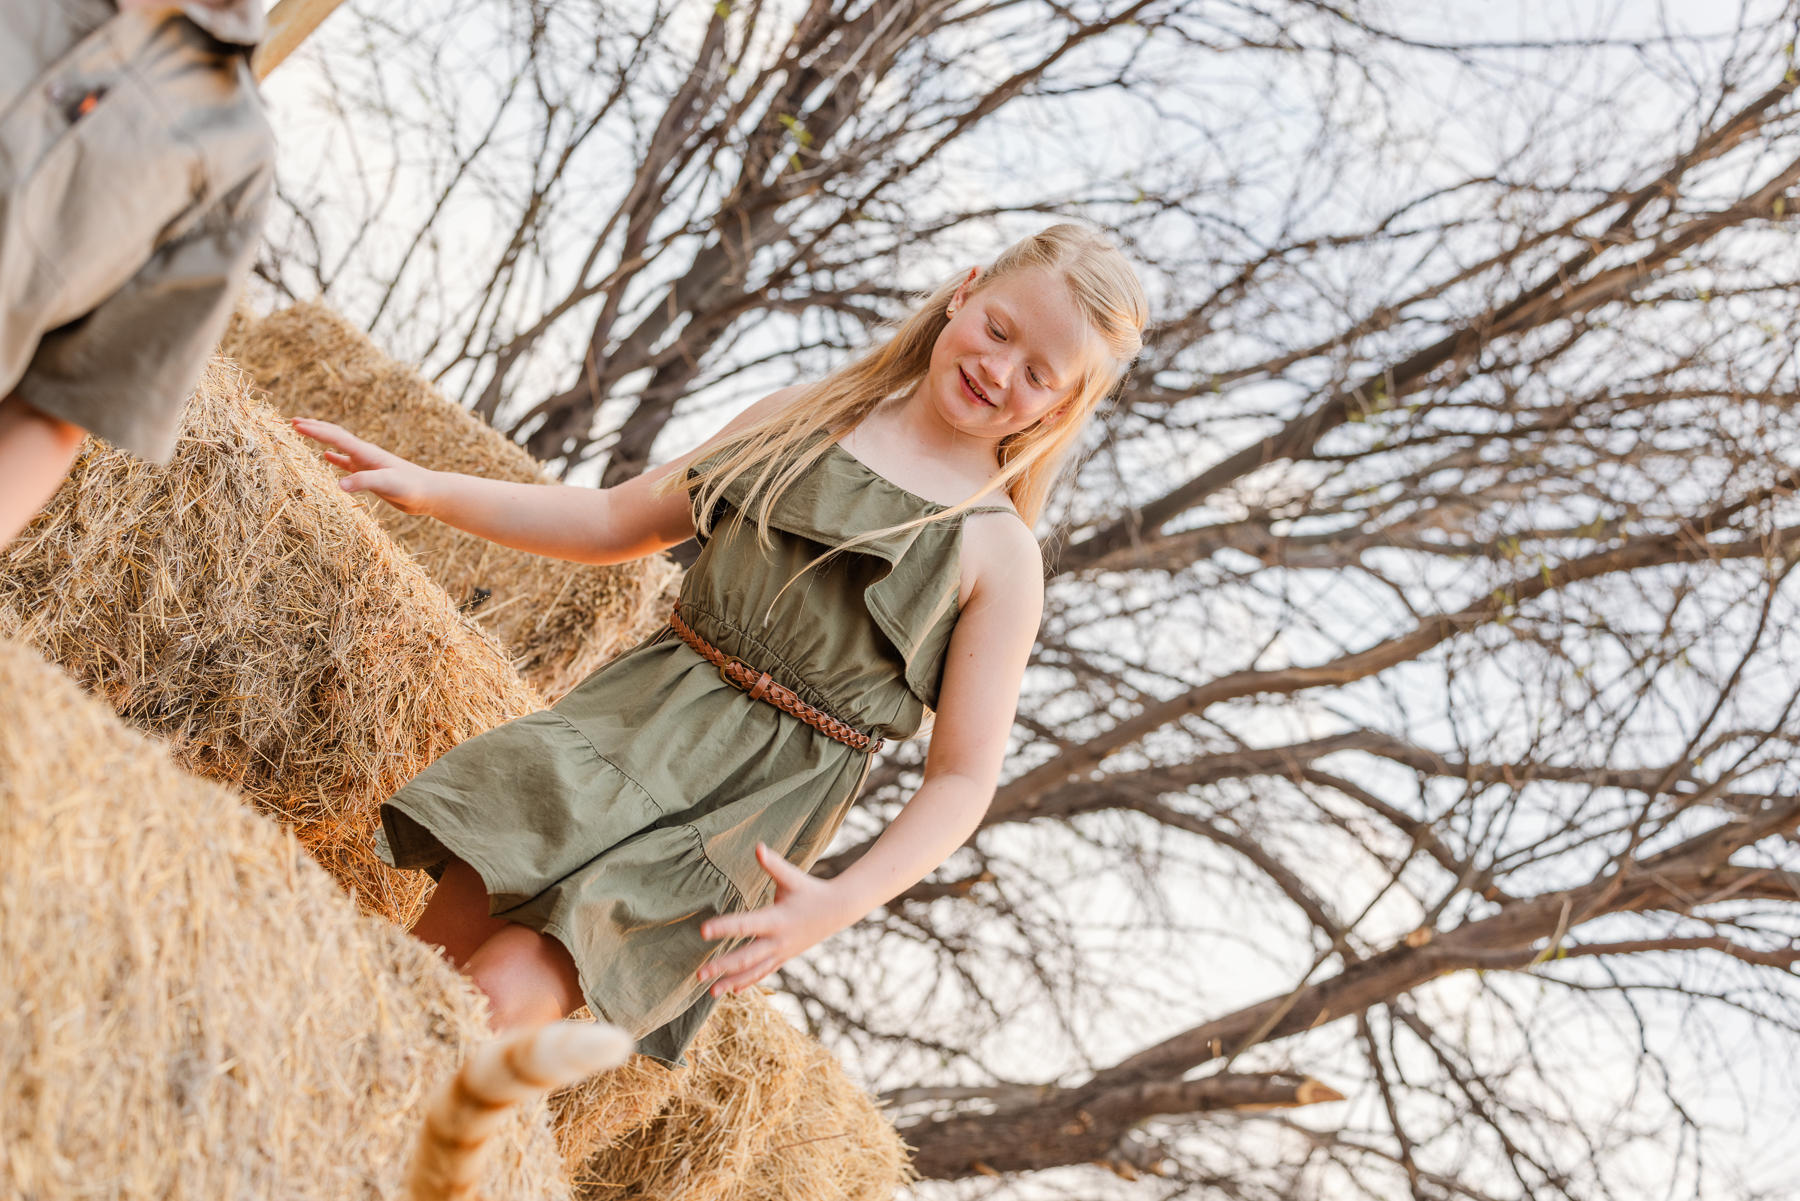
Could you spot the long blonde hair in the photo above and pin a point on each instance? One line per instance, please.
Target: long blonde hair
(776, 452)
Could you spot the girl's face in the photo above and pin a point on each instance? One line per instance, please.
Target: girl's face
(1012, 353)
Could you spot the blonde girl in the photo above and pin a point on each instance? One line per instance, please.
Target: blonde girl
(642, 847)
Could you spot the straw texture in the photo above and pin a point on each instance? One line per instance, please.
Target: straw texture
(601, 1110)
(188, 1007)
(559, 620)
(239, 606)
(762, 1113)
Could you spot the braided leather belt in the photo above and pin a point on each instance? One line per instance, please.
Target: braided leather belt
(738, 674)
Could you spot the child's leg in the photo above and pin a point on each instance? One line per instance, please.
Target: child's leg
(35, 452)
(529, 978)
(456, 918)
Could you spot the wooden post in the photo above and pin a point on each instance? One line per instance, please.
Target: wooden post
(289, 23)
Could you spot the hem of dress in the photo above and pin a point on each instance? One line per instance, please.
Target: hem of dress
(723, 947)
(482, 869)
(556, 931)
(151, 441)
(549, 928)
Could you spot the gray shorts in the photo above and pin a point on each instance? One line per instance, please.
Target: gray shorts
(135, 168)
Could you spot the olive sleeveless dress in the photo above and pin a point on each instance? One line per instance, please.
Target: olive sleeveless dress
(621, 818)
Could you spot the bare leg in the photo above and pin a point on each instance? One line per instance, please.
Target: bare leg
(35, 452)
(456, 918)
(529, 978)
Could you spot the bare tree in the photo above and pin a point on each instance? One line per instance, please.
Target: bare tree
(770, 162)
(1413, 712)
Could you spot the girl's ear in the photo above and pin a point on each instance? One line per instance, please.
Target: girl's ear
(962, 291)
(1046, 421)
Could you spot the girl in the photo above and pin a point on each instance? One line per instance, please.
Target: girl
(866, 554)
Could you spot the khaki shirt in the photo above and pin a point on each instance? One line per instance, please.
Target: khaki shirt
(239, 22)
(135, 168)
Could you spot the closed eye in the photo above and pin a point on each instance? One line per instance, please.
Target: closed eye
(994, 332)
(1036, 379)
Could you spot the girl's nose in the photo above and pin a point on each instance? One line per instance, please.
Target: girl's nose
(998, 368)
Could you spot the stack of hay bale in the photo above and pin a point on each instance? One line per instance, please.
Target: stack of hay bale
(762, 1114)
(558, 620)
(188, 1007)
(243, 610)
(237, 606)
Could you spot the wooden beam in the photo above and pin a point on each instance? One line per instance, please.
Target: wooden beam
(290, 21)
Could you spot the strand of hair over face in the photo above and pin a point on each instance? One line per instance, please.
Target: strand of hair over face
(778, 452)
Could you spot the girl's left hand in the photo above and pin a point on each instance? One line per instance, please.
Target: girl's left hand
(405, 485)
(804, 913)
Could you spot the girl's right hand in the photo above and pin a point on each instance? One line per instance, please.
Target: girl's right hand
(403, 484)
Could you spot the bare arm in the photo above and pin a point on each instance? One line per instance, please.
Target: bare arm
(988, 651)
(586, 525)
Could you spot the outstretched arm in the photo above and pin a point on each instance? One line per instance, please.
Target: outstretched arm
(586, 525)
(986, 660)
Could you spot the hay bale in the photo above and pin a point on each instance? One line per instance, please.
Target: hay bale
(597, 1113)
(559, 620)
(240, 607)
(762, 1113)
(188, 1007)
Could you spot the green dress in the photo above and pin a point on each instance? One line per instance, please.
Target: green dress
(623, 817)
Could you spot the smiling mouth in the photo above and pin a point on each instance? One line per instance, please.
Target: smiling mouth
(974, 388)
